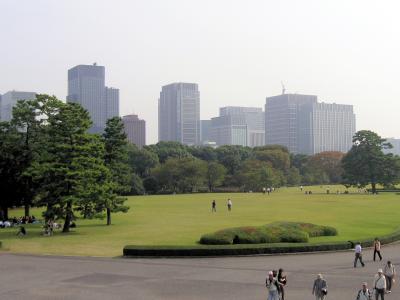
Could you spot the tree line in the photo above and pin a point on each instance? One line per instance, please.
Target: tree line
(48, 159)
(170, 167)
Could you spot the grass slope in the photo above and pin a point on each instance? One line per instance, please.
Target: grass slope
(182, 219)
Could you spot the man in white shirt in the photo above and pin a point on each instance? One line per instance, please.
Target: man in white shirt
(364, 293)
(358, 255)
(380, 285)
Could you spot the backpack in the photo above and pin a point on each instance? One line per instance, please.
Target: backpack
(369, 295)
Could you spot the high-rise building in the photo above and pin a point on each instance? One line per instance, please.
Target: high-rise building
(112, 102)
(303, 125)
(135, 130)
(9, 99)
(229, 130)
(179, 113)
(86, 86)
(205, 127)
(238, 126)
(282, 119)
(333, 127)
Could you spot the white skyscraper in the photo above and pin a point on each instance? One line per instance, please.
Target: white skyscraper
(86, 86)
(179, 113)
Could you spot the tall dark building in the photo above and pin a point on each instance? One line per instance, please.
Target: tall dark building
(205, 128)
(179, 113)
(303, 125)
(86, 86)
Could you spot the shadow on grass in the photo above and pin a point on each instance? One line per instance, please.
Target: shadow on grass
(94, 225)
(33, 233)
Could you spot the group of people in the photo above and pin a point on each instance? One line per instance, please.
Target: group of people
(383, 280)
(268, 190)
(275, 283)
(214, 205)
(382, 284)
(18, 221)
(50, 225)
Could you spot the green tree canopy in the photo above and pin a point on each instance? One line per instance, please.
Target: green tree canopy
(215, 175)
(71, 172)
(165, 150)
(366, 163)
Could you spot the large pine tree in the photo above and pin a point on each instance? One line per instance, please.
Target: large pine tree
(71, 172)
(117, 161)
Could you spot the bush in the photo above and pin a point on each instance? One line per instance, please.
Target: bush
(294, 236)
(238, 249)
(289, 232)
(216, 239)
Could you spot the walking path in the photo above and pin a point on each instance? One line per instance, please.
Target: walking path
(242, 278)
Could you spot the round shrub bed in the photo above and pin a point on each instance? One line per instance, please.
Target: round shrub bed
(284, 232)
(248, 249)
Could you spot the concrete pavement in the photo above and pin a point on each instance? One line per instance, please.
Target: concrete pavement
(53, 277)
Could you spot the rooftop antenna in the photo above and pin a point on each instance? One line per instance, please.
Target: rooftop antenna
(283, 88)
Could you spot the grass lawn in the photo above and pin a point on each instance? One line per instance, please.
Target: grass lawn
(182, 219)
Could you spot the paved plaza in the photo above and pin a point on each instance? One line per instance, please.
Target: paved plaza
(55, 277)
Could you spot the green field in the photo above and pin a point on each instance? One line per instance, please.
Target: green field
(182, 219)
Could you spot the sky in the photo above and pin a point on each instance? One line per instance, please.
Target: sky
(239, 52)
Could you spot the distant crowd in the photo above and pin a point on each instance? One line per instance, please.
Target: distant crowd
(18, 221)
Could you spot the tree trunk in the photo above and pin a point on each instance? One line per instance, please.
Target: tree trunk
(108, 216)
(373, 184)
(68, 217)
(4, 211)
(26, 209)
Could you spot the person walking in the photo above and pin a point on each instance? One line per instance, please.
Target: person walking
(213, 206)
(320, 288)
(390, 272)
(358, 255)
(273, 287)
(282, 282)
(364, 293)
(377, 248)
(380, 285)
(229, 204)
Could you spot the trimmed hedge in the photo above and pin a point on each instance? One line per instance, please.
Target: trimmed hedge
(246, 249)
(284, 232)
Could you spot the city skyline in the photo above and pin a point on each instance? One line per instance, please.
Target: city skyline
(327, 53)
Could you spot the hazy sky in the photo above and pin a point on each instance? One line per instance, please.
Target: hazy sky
(237, 51)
